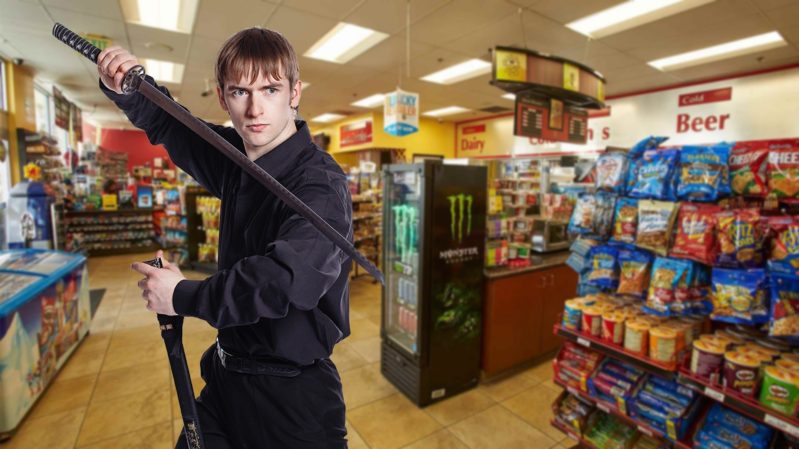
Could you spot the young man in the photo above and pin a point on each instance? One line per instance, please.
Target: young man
(281, 296)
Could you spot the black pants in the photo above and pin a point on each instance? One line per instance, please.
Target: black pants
(270, 412)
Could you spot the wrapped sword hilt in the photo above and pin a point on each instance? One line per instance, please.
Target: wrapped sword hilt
(133, 77)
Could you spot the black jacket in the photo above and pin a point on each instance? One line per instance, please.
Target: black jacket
(282, 289)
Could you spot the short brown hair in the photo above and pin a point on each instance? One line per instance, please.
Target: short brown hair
(252, 52)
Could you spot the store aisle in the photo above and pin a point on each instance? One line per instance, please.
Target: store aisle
(116, 390)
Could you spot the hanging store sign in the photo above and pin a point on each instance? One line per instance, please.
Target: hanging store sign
(356, 133)
(401, 113)
(550, 120)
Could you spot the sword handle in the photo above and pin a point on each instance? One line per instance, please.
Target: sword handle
(133, 77)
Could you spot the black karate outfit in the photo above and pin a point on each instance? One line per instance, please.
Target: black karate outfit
(281, 295)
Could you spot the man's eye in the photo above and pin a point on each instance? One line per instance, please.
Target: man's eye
(238, 93)
(271, 90)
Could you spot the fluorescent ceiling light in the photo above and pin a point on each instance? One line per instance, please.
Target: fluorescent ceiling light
(172, 15)
(740, 47)
(327, 117)
(228, 123)
(305, 85)
(168, 72)
(459, 72)
(511, 97)
(370, 102)
(449, 110)
(344, 42)
(630, 14)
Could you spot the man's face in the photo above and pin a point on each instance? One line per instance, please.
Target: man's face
(261, 111)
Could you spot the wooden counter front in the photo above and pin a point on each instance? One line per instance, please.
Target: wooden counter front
(520, 311)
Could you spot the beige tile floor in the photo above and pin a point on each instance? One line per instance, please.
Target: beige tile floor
(116, 390)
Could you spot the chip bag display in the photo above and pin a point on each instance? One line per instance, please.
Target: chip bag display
(611, 169)
(748, 169)
(784, 305)
(593, 215)
(783, 172)
(740, 235)
(696, 233)
(625, 221)
(654, 173)
(602, 269)
(667, 275)
(784, 231)
(634, 271)
(655, 224)
(701, 172)
(739, 296)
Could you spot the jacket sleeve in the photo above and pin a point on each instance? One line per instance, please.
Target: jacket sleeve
(296, 270)
(189, 151)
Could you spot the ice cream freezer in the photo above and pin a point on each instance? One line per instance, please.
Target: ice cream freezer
(44, 314)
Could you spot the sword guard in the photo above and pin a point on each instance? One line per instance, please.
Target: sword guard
(132, 79)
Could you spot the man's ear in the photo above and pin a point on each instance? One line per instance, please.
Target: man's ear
(296, 93)
(221, 97)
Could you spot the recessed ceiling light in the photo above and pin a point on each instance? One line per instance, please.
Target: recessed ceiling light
(630, 14)
(370, 102)
(172, 15)
(166, 71)
(727, 50)
(509, 96)
(344, 42)
(459, 72)
(327, 117)
(449, 110)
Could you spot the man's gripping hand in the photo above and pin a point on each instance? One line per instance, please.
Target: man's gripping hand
(159, 284)
(112, 65)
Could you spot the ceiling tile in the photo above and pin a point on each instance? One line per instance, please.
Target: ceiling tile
(95, 8)
(389, 16)
(458, 19)
(332, 9)
(300, 28)
(140, 36)
(222, 19)
(565, 12)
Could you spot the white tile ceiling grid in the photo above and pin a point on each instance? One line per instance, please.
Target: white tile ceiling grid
(443, 32)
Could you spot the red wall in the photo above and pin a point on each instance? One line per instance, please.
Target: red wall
(135, 143)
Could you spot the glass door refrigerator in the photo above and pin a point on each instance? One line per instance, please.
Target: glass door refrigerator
(433, 252)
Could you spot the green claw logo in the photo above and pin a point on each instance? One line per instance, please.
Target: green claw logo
(457, 204)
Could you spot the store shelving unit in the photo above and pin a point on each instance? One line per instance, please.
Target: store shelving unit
(101, 232)
(367, 222)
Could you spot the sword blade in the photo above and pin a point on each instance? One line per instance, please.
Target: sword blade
(258, 173)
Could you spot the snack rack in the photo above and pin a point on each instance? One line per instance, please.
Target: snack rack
(711, 393)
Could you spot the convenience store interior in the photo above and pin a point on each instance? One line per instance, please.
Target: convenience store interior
(565, 323)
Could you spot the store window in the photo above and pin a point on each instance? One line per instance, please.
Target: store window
(42, 102)
(3, 95)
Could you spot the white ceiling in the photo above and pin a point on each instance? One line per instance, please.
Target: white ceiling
(443, 32)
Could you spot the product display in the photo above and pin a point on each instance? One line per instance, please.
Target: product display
(723, 428)
(574, 365)
(665, 406)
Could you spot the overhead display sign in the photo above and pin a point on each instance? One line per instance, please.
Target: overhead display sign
(401, 113)
(356, 133)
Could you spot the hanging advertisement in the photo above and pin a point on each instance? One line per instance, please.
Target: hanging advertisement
(62, 107)
(401, 113)
(356, 133)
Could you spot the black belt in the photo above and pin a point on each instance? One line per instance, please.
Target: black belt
(245, 365)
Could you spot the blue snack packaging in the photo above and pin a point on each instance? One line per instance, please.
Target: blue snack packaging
(611, 169)
(654, 174)
(602, 268)
(701, 172)
(634, 271)
(740, 296)
(784, 305)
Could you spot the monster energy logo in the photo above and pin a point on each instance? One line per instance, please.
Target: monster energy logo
(405, 231)
(457, 204)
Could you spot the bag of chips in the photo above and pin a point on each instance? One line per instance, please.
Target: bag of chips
(655, 171)
(602, 268)
(667, 274)
(784, 305)
(784, 232)
(783, 172)
(701, 172)
(625, 221)
(739, 296)
(582, 219)
(605, 204)
(748, 169)
(611, 167)
(740, 235)
(634, 268)
(696, 233)
(655, 224)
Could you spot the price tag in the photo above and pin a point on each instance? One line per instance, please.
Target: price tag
(584, 342)
(572, 391)
(645, 431)
(781, 425)
(603, 407)
(714, 394)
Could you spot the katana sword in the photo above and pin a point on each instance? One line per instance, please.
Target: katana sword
(172, 333)
(133, 83)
